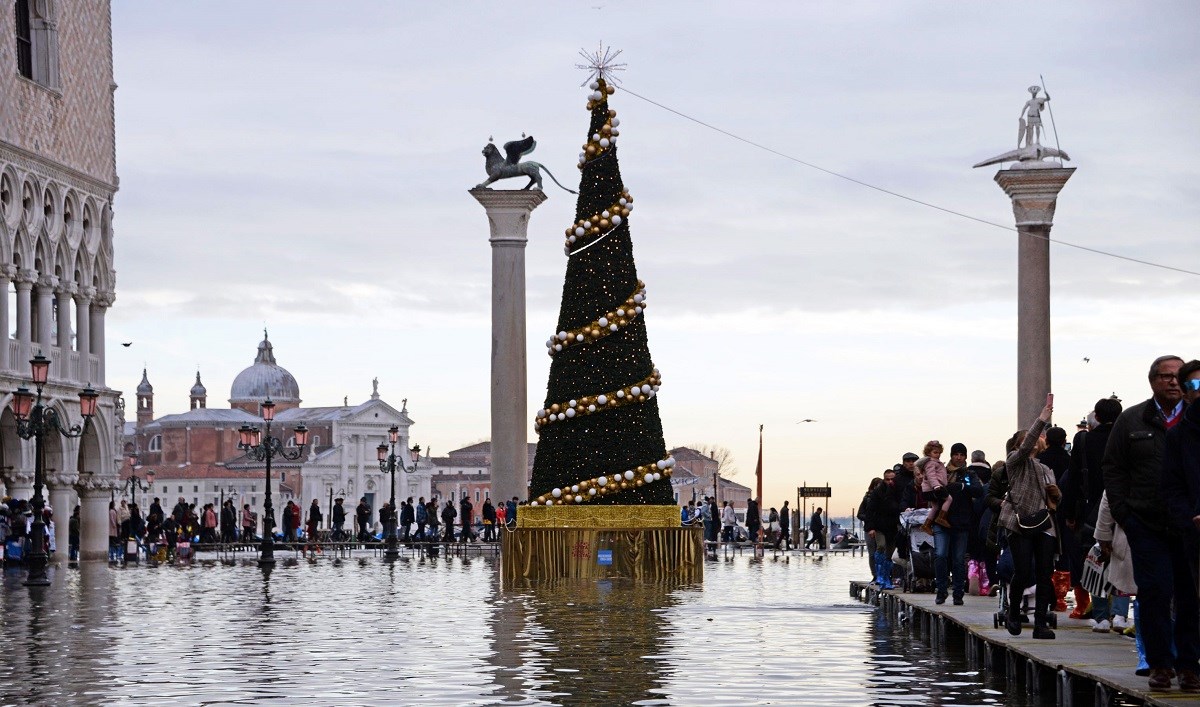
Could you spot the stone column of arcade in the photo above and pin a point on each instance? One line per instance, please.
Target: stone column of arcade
(62, 499)
(94, 495)
(508, 216)
(1034, 194)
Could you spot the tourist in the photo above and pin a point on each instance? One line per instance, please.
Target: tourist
(510, 515)
(72, 535)
(816, 530)
(448, 516)
(209, 522)
(933, 477)
(864, 513)
(313, 523)
(785, 526)
(728, 520)
(1087, 479)
(114, 532)
(338, 518)
(431, 516)
(773, 528)
(289, 527)
(982, 560)
(1025, 513)
(753, 521)
(137, 526)
(170, 531)
(228, 522)
(501, 512)
(906, 482)
(180, 511)
(248, 523)
(1067, 568)
(1133, 482)
(489, 521)
(883, 525)
(707, 517)
(467, 517)
(407, 515)
(961, 490)
(421, 516)
(1114, 549)
(362, 518)
(958, 457)
(155, 517)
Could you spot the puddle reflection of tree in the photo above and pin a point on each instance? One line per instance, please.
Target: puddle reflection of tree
(601, 641)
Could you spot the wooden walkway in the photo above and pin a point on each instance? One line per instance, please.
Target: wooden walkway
(1079, 667)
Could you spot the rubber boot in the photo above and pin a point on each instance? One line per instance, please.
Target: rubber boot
(1062, 585)
(888, 565)
(972, 576)
(877, 558)
(1083, 603)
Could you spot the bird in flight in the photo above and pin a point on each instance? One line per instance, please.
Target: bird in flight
(807, 419)
(127, 344)
(1086, 359)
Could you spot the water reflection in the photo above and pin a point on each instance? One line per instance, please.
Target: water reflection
(441, 631)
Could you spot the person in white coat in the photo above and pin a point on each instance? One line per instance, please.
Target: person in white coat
(1114, 547)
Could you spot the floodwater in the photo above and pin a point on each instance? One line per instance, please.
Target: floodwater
(441, 631)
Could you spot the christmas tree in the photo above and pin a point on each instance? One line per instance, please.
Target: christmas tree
(601, 438)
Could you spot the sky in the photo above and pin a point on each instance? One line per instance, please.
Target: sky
(304, 166)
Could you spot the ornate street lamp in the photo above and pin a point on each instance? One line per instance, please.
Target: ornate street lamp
(261, 446)
(388, 461)
(36, 422)
(134, 483)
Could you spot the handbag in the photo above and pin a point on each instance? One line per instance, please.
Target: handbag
(1037, 521)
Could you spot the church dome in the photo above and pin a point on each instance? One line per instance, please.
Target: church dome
(198, 390)
(264, 379)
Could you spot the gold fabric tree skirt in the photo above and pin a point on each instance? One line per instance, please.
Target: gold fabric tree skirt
(597, 542)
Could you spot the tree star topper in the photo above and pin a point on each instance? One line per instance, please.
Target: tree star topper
(601, 64)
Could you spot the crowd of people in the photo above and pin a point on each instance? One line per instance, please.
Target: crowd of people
(1120, 502)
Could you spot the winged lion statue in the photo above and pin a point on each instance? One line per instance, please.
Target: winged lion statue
(510, 165)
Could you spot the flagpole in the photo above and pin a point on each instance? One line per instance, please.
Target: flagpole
(758, 471)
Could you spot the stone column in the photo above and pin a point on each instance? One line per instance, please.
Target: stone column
(1034, 194)
(24, 286)
(508, 216)
(6, 275)
(45, 314)
(100, 305)
(94, 495)
(83, 327)
(19, 483)
(62, 498)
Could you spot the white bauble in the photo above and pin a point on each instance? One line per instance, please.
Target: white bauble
(638, 298)
(579, 337)
(622, 202)
(592, 491)
(570, 412)
(648, 478)
(534, 503)
(604, 142)
(594, 85)
(571, 239)
(557, 493)
(661, 463)
(646, 389)
(629, 476)
(616, 220)
(637, 310)
(603, 480)
(620, 312)
(579, 231)
(620, 393)
(572, 403)
(591, 408)
(602, 321)
(613, 327)
(562, 336)
(596, 137)
(558, 347)
(670, 461)
(579, 499)
(614, 132)
(657, 476)
(574, 488)
(587, 224)
(615, 122)
(605, 214)
(603, 399)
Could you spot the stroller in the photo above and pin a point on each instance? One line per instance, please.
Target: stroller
(918, 574)
(1005, 571)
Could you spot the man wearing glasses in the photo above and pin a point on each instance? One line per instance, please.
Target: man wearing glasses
(1133, 480)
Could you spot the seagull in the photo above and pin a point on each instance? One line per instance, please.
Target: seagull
(1086, 359)
(127, 344)
(806, 420)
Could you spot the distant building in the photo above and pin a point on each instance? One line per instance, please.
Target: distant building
(695, 475)
(469, 471)
(195, 454)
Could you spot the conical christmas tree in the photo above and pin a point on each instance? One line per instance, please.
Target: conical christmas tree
(601, 438)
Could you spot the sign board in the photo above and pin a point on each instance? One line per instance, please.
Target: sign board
(604, 557)
(814, 491)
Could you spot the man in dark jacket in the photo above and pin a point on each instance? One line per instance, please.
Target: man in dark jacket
(448, 515)
(466, 516)
(883, 524)
(785, 526)
(950, 544)
(1133, 481)
(407, 516)
(489, 520)
(1181, 488)
(338, 517)
(362, 513)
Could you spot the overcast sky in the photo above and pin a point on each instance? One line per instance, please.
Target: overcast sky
(305, 166)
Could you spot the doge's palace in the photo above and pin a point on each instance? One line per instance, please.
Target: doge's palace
(57, 182)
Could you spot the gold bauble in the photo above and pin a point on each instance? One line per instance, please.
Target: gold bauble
(554, 407)
(590, 149)
(612, 113)
(623, 322)
(639, 482)
(624, 212)
(604, 223)
(595, 230)
(641, 398)
(624, 485)
(610, 90)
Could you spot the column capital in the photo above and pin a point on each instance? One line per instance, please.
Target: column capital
(48, 281)
(62, 480)
(1034, 193)
(67, 288)
(85, 294)
(104, 299)
(25, 277)
(18, 477)
(94, 484)
(8, 271)
(508, 213)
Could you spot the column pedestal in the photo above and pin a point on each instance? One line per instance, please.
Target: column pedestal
(1034, 194)
(508, 216)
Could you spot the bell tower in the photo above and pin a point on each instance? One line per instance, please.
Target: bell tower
(145, 401)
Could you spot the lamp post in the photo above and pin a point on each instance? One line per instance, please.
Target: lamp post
(261, 446)
(134, 483)
(388, 463)
(36, 422)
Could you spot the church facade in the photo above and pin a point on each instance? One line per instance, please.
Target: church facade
(58, 179)
(194, 455)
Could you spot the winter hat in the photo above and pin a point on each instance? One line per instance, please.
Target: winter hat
(910, 457)
(958, 448)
